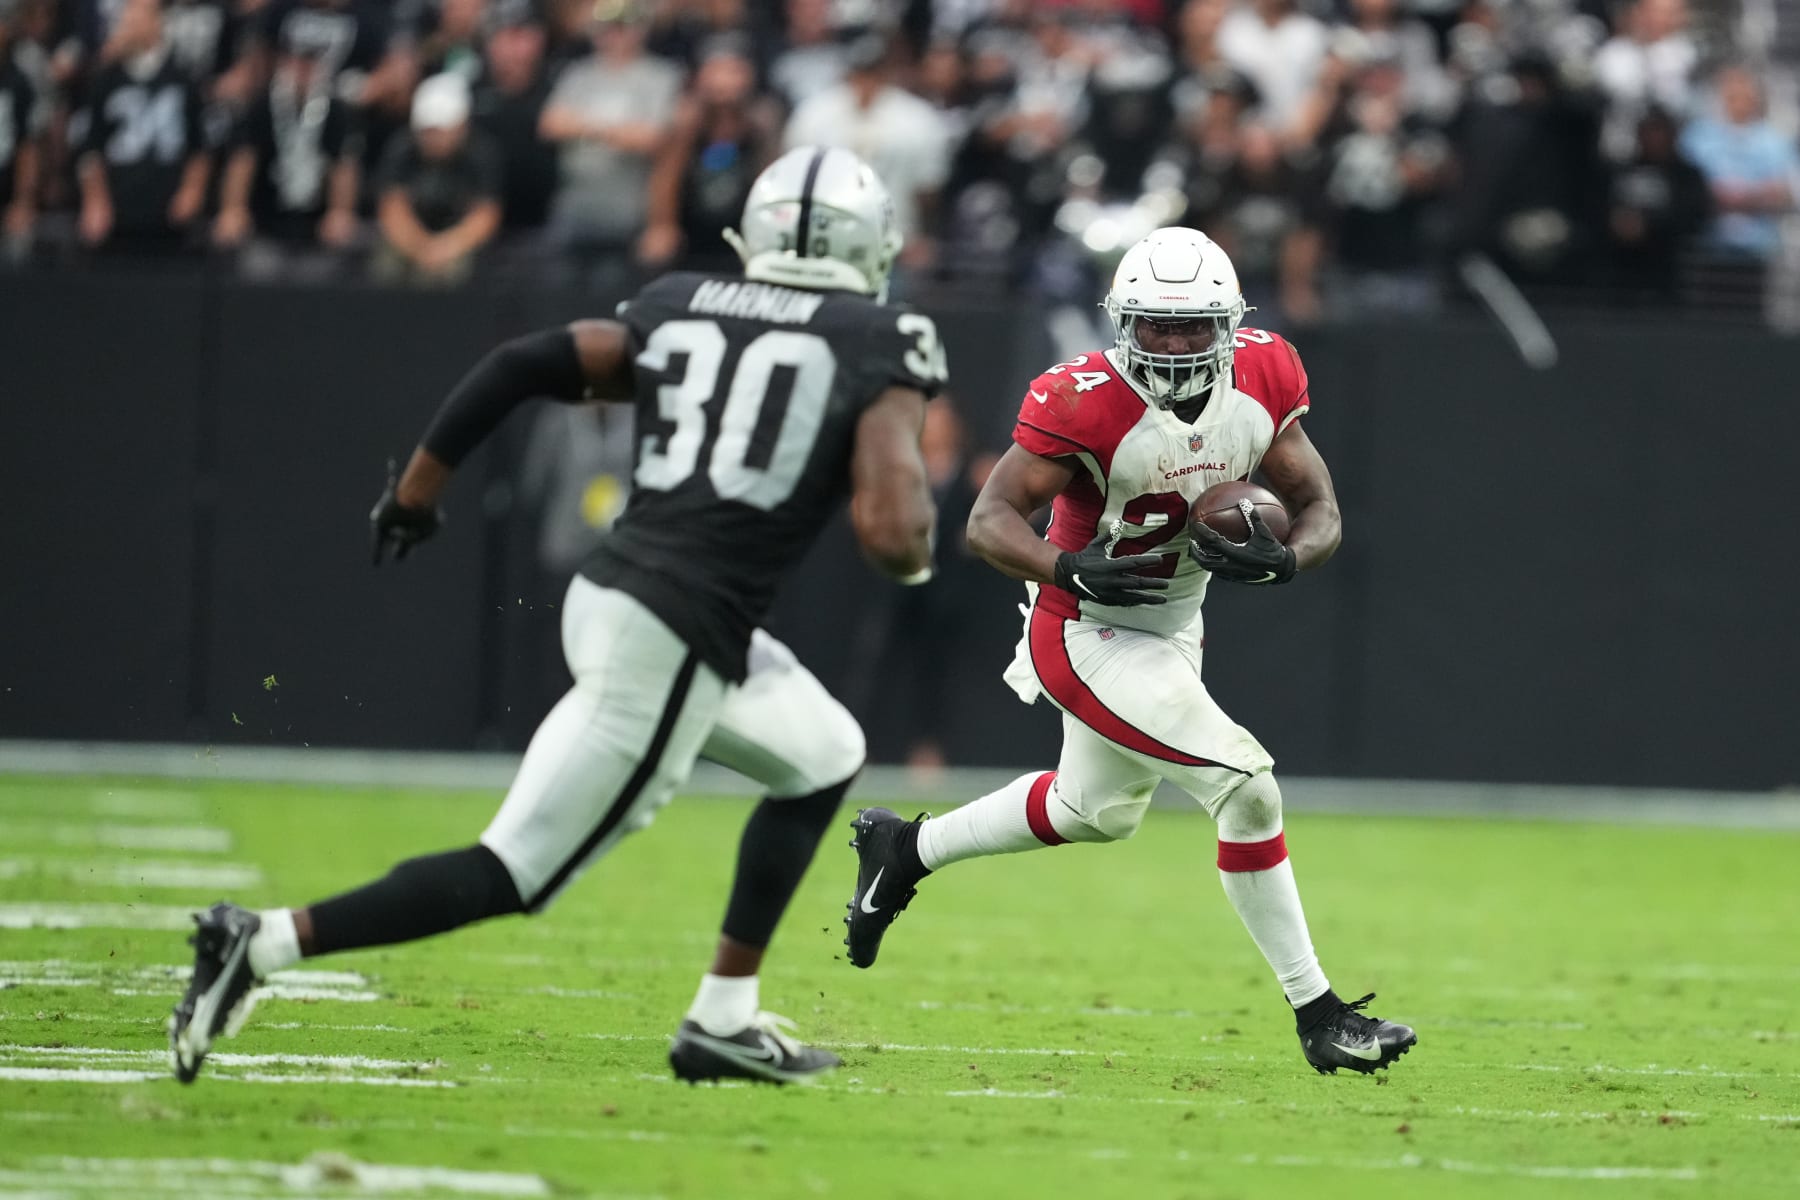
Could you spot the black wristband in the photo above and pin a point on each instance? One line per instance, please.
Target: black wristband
(539, 364)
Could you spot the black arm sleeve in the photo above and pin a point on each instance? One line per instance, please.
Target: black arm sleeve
(539, 364)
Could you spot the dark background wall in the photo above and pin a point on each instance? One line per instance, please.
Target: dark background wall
(1581, 575)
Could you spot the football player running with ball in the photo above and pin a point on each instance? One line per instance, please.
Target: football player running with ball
(762, 401)
(1121, 443)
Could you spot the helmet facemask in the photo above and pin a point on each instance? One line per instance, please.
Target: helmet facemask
(1172, 379)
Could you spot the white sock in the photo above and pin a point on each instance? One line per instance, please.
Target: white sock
(1268, 903)
(276, 945)
(1012, 819)
(724, 1004)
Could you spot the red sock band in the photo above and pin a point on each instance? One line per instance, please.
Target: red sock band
(1037, 811)
(1253, 856)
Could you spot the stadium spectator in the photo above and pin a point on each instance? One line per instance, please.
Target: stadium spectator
(143, 164)
(1129, 112)
(291, 175)
(508, 106)
(1650, 61)
(1245, 194)
(609, 114)
(439, 190)
(1203, 71)
(1282, 51)
(1748, 163)
(682, 30)
(723, 135)
(1530, 175)
(352, 40)
(810, 57)
(448, 37)
(1379, 31)
(1021, 138)
(1655, 202)
(1383, 164)
(894, 131)
(22, 119)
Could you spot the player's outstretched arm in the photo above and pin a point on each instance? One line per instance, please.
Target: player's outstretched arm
(1000, 522)
(570, 363)
(890, 500)
(1299, 476)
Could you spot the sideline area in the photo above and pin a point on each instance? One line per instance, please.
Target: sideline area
(493, 772)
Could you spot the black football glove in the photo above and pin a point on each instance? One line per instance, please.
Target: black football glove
(1261, 559)
(1091, 575)
(392, 524)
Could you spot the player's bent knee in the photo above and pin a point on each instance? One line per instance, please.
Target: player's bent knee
(1251, 812)
(1110, 816)
(836, 751)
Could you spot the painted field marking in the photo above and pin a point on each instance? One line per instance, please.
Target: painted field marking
(1701, 1071)
(578, 993)
(252, 1178)
(137, 802)
(1055, 1010)
(105, 1065)
(28, 915)
(116, 872)
(901, 1047)
(198, 839)
(168, 980)
(341, 1062)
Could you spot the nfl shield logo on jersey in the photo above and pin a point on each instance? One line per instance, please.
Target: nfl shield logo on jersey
(1196, 442)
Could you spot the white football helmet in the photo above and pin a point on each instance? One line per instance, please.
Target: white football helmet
(1175, 274)
(819, 217)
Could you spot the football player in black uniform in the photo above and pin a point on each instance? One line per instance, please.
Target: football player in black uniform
(762, 400)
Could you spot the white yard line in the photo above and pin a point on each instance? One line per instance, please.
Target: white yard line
(125, 1176)
(137, 802)
(193, 839)
(1701, 1071)
(346, 987)
(134, 873)
(28, 915)
(110, 1076)
(350, 1062)
(902, 1047)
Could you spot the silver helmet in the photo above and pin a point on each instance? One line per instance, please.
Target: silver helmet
(819, 217)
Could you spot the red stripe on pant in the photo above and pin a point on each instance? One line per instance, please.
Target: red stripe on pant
(1055, 670)
(1253, 856)
(1037, 811)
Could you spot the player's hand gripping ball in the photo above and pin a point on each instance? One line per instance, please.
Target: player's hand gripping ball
(1238, 532)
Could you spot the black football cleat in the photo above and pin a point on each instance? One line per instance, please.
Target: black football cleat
(884, 880)
(1346, 1038)
(220, 996)
(763, 1051)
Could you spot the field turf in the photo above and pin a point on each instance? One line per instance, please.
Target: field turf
(1602, 1012)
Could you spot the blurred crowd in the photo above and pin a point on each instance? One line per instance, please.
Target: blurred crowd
(1347, 152)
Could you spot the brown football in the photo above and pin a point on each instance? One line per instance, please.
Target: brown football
(1219, 506)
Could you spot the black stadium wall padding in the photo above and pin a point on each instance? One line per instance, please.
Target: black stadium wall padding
(1579, 575)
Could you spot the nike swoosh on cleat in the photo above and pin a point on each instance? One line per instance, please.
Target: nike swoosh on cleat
(206, 1006)
(737, 1050)
(1368, 1053)
(866, 906)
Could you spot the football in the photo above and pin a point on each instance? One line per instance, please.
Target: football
(1222, 507)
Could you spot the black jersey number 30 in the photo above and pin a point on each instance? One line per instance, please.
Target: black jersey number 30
(664, 463)
(684, 404)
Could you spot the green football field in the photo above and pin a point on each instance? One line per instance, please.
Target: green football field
(1602, 1012)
